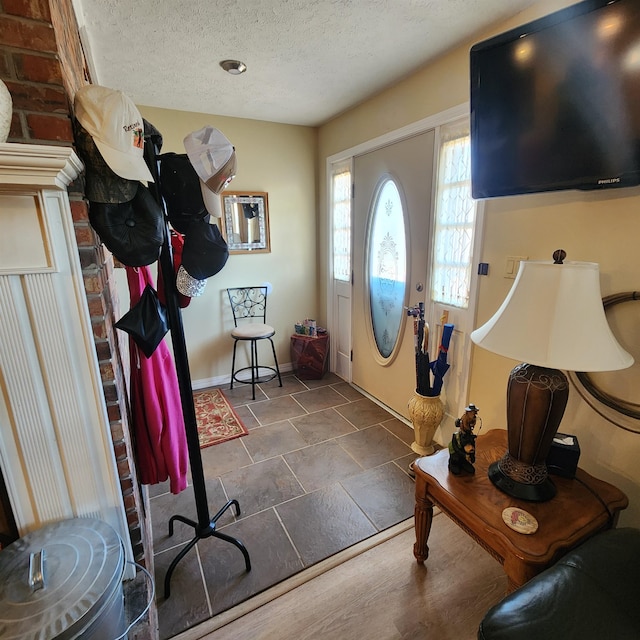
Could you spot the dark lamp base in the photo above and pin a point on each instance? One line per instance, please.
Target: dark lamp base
(536, 399)
(532, 492)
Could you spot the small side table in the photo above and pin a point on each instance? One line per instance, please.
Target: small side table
(309, 355)
(582, 507)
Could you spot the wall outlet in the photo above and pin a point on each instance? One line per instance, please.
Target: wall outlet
(512, 265)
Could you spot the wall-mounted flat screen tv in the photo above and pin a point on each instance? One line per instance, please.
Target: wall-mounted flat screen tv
(555, 104)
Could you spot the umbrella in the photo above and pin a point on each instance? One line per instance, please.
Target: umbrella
(423, 381)
(440, 366)
(422, 368)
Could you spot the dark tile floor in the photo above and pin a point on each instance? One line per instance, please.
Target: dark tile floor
(323, 467)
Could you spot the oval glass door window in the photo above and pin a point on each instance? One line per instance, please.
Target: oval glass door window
(387, 266)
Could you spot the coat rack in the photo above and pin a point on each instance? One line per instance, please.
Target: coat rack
(205, 526)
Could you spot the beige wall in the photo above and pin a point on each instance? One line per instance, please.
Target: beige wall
(281, 160)
(600, 227)
(431, 90)
(597, 227)
(289, 163)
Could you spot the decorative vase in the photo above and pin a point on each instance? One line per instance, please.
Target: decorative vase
(6, 111)
(425, 413)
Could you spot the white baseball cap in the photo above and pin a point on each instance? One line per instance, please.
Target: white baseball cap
(214, 159)
(116, 126)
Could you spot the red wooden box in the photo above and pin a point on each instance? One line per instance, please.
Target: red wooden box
(310, 356)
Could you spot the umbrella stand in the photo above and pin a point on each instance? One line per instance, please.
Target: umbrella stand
(425, 407)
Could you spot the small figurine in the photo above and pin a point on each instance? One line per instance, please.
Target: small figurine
(462, 448)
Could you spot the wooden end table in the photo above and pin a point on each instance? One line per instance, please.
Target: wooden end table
(582, 507)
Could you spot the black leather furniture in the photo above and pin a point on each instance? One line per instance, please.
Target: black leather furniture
(593, 592)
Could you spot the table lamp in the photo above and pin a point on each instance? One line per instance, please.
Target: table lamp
(553, 318)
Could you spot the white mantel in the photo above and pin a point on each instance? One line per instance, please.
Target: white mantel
(56, 451)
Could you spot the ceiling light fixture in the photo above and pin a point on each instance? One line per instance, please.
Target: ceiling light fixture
(234, 67)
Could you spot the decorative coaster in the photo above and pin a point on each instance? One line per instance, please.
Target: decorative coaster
(519, 520)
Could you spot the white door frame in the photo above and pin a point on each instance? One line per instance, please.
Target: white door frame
(339, 314)
(430, 122)
(463, 319)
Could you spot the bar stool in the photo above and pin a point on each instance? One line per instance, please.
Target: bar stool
(249, 307)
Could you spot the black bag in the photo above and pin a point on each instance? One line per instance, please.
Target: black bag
(146, 322)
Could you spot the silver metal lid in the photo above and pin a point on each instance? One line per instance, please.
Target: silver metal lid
(82, 564)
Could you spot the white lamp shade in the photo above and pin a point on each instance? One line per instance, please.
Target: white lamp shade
(554, 317)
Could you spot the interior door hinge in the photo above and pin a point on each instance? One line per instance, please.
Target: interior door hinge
(351, 355)
(353, 190)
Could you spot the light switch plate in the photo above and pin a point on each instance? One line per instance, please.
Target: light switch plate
(512, 265)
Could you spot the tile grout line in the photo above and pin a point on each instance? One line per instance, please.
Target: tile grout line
(204, 582)
(293, 473)
(286, 531)
(272, 441)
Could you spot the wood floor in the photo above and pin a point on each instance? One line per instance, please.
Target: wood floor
(382, 594)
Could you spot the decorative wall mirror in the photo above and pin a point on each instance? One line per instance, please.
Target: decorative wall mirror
(245, 221)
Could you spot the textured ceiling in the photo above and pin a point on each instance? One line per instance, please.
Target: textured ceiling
(307, 60)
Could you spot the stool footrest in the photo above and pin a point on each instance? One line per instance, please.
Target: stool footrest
(259, 378)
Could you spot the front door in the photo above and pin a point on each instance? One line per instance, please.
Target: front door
(392, 213)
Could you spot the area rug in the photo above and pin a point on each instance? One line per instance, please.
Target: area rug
(216, 419)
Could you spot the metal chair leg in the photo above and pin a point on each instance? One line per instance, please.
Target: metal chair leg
(233, 363)
(254, 367)
(275, 359)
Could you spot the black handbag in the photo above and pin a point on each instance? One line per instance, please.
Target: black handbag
(146, 322)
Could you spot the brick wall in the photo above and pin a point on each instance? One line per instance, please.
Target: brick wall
(31, 69)
(42, 64)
